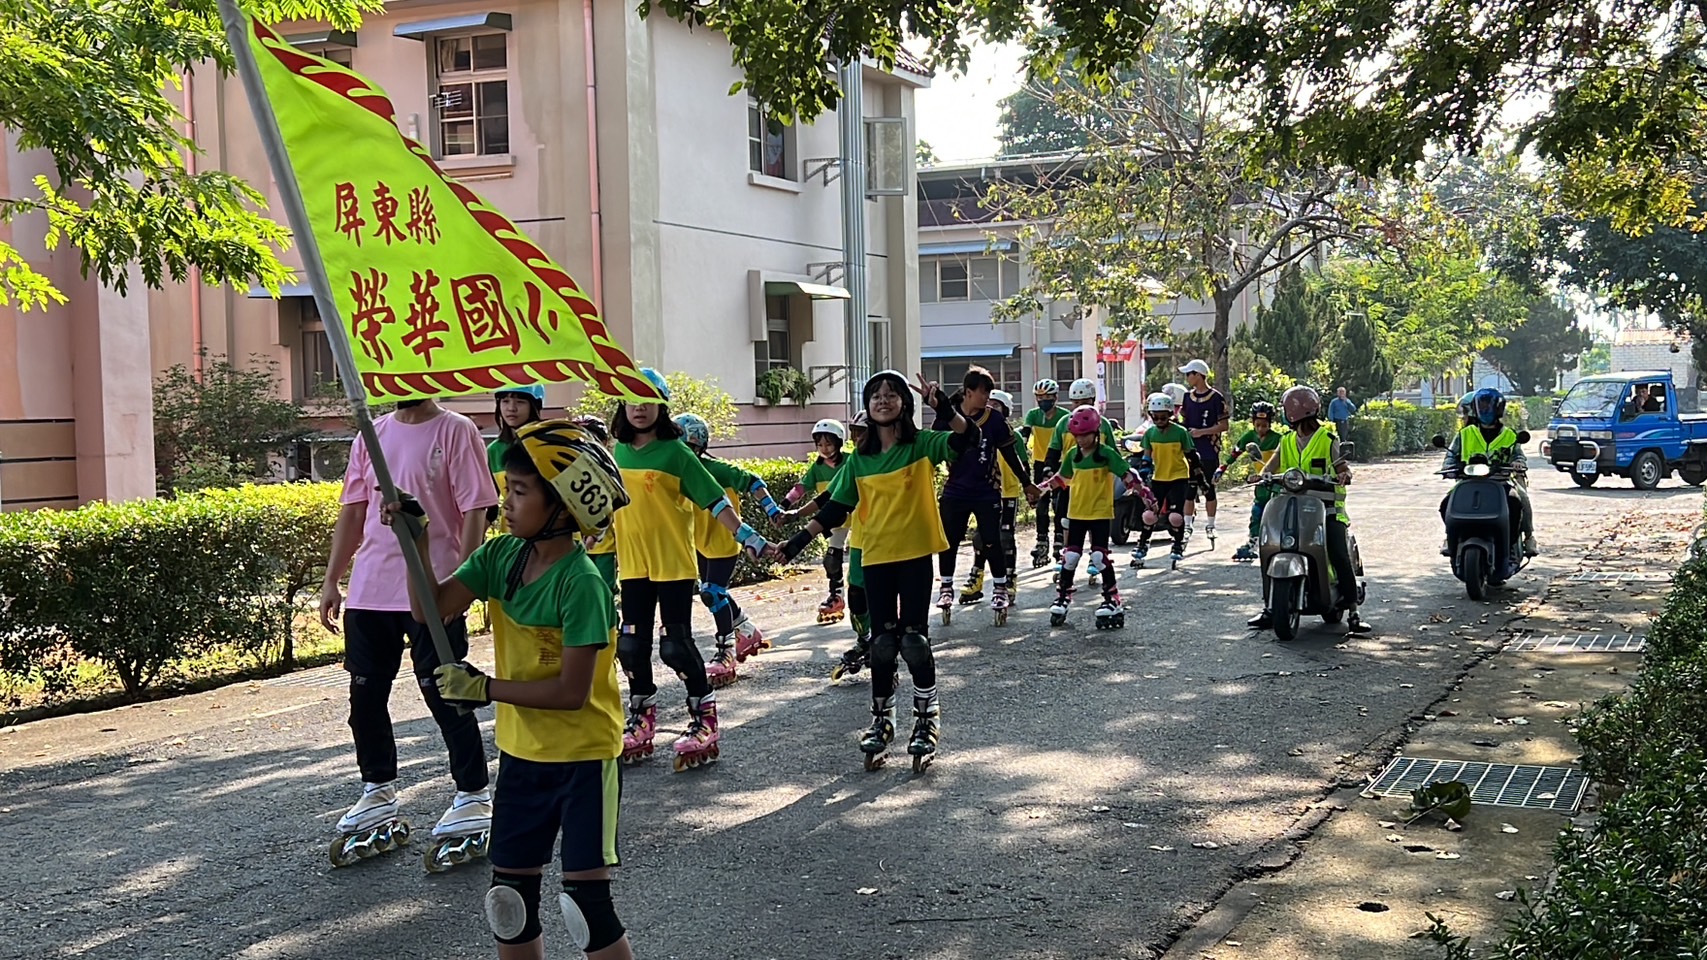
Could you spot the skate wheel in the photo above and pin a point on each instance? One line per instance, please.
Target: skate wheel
(341, 855)
(921, 762)
(947, 615)
(1001, 618)
(682, 762)
(433, 862)
(874, 761)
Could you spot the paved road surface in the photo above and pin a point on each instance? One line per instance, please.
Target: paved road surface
(1078, 771)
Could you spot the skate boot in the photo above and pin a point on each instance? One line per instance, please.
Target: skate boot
(875, 743)
(1209, 531)
(853, 659)
(641, 727)
(1058, 609)
(1261, 621)
(720, 669)
(1039, 555)
(1356, 626)
(699, 745)
(945, 601)
(1093, 569)
(749, 640)
(1246, 553)
(1176, 555)
(1000, 601)
(833, 608)
(1190, 528)
(926, 730)
(973, 591)
(463, 833)
(371, 827)
(1138, 554)
(1111, 615)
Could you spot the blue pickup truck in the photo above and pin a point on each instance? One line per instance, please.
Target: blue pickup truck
(1626, 424)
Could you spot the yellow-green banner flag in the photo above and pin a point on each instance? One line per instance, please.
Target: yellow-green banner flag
(439, 292)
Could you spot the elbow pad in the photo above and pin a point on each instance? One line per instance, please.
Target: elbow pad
(716, 509)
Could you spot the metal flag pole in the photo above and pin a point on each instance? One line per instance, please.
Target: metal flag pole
(290, 192)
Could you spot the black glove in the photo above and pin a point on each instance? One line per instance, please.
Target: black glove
(793, 546)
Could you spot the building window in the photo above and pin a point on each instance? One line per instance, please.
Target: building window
(879, 343)
(770, 143)
(776, 350)
(1114, 379)
(1067, 368)
(951, 371)
(473, 99)
(336, 52)
(953, 279)
(317, 371)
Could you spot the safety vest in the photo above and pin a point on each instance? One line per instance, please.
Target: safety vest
(1291, 458)
(1472, 443)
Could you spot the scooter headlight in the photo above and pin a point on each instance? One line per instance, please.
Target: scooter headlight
(1293, 480)
(1477, 470)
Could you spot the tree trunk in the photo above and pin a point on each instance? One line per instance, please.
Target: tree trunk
(1219, 338)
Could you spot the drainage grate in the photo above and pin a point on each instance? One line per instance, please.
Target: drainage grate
(323, 677)
(1580, 643)
(1491, 784)
(1631, 577)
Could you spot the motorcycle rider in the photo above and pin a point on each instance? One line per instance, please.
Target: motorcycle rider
(1314, 450)
(1485, 434)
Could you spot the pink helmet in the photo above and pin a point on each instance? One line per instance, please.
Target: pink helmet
(1083, 421)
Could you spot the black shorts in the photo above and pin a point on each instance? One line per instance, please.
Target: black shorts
(1202, 486)
(533, 802)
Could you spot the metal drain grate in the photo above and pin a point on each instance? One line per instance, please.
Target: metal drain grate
(1491, 784)
(324, 677)
(1631, 577)
(1580, 643)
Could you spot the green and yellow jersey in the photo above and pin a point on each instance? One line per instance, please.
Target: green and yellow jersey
(892, 497)
(1040, 429)
(1167, 447)
(709, 536)
(1091, 478)
(666, 486)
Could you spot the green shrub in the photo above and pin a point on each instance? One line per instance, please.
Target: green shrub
(296, 523)
(1373, 436)
(780, 474)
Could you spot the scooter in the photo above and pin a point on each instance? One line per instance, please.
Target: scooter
(1485, 543)
(1128, 505)
(1297, 579)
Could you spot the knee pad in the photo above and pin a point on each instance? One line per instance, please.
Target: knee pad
(1099, 559)
(630, 645)
(1070, 559)
(916, 650)
(512, 907)
(713, 596)
(1150, 518)
(589, 914)
(678, 650)
(885, 647)
(1176, 520)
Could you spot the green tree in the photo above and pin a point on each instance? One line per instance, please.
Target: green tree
(223, 429)
(1596, 359)
(1546, 342)
(924, 154)
(1622, 89)
(1356, 361)
(1166, 202)
(86, 81)
(688, 394)
(1290, 328)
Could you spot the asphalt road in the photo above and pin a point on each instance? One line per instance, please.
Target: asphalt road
(1095, 790)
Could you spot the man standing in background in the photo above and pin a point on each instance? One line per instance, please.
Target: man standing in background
(1340, 410)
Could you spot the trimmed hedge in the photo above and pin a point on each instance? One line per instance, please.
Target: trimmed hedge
(1634, 884)
(140, 587)
(1381, 429)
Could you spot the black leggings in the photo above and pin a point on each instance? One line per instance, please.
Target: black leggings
(1077, 531)
(955, 512)
(1039, 473)
(1010, 546)
(373, 653)
(673, 603)
(1170, 498)
(718, 571)
(899, 596)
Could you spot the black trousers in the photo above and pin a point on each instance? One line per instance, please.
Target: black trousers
(1009, 538)
(1039, 473)
(956, 511)
(671, 602)
(899, 595)
(1077, 532)
(373, 653)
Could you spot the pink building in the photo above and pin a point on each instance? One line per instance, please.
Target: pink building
(710, 235)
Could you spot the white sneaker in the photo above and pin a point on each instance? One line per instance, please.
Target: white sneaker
(468, 813)
(1209, 526)
(377, 805)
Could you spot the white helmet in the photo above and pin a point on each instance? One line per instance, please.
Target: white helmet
(1176, 392)
(832, 427)
(1082, 389)
(1160, 403)
(1004, 398)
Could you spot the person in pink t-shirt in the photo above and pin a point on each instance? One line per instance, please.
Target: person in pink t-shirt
(436, 455)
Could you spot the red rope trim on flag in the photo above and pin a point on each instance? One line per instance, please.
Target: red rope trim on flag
(616, 376)
(470, 379)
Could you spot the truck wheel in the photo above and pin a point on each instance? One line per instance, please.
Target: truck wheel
(1647, 471)
(1584, 480)
(1694, 476)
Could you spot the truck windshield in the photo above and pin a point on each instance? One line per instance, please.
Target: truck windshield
(1592, 398)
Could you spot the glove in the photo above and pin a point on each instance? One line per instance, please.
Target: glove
(462, 683)
(1216, 477)
(411, 514)
(793, 546)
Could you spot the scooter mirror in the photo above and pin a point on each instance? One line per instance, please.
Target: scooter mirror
(1348, 450)
(1252, 450)
(1439, 442)
(1523, 436)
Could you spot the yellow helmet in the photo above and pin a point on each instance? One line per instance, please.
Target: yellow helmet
(579, 468)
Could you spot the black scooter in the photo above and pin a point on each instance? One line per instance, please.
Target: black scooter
(1483, 536)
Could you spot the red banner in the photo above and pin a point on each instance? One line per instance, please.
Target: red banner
(1112, 351)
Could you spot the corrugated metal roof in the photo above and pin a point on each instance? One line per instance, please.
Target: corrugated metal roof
(1631, 336)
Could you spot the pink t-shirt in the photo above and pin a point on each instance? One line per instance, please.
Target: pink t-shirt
(443, 463)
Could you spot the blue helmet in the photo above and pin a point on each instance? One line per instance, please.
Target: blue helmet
(657, 380)
(532, 391)
(696, 433)
(1487, 406)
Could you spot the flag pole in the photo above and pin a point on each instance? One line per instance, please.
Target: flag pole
(290, 192)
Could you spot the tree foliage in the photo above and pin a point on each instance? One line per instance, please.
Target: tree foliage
(222, 430)
(87, 81)
(1290, 327)
(1356, 361)
(688, 394)
(1164, 202)
(1535, 350)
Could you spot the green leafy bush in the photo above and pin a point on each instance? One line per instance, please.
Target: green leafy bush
(1373, 436)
